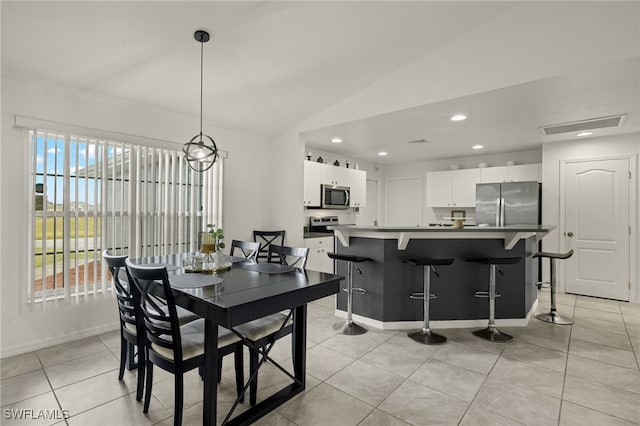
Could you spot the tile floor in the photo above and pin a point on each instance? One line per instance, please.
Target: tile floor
(585, 374)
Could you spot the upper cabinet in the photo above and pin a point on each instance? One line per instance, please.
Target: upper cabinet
(452, 188)
(519, 173)
(316, 174)
(312, 182)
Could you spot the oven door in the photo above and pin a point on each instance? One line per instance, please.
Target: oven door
(335, 197)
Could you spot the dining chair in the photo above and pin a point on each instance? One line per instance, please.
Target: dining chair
(263, 332)
(266, 240)
(174, 348)
(131, 330)
(248, 249)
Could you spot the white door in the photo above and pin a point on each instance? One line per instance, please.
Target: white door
(403, 202)
(597, 228)
(369, 215)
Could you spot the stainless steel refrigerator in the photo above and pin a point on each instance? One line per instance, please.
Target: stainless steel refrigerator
(508, 203)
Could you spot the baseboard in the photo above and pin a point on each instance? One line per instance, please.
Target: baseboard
(53, 341)
(410, 325)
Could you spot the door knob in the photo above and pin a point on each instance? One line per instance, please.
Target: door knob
(569, 234)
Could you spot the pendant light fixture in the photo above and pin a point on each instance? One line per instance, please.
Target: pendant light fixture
(201, 151)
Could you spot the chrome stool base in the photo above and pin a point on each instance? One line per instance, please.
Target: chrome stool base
(349, 328)
(554, 318)
(427, 337)
(492, 334)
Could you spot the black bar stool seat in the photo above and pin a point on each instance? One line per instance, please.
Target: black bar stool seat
(491, 333)
(425, 335)
(552, 316)
(349, 327)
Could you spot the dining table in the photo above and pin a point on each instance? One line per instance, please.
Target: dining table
(241, 293)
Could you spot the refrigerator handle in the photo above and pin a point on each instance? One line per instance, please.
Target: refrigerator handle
(498, 209)
(501, 211)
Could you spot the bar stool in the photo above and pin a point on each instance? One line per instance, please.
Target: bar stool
(349, 327)
(491, 333)
(426, 336)
(552, 316)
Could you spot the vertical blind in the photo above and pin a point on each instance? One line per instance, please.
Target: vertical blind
(90, 194)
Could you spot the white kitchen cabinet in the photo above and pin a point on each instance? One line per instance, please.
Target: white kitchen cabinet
(452, 188)
(358, 184)
(316, 174)
(318, 249)
(518, 173)
(312, 182)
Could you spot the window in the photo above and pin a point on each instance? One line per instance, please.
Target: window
(89, 194)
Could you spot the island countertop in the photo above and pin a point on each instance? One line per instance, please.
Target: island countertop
(511, 234)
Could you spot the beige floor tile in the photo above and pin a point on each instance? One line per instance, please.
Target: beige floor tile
(576, 415)
(517, 403)
(315, 312)
(380, 418)
(449, 379)
(323, 362)
(536, 355)
(366, 382)
(594, 314)
(601, 337)
(544, 298)
(326, 405)
(122, 411)
(39, 410)
(598, 304)
(616, 327)
(466, 337)
(97, 390)
(111, 339)
(273, 419)
(552, 337)
(20, 364)
(70, 351)
(80, 369)
(318, 332)
(602, 398)
(478, 417)
(540, 379)
(23, 387)
(466, 357)
(193, 389)
(355, 346)
(603, 353)
(420, 405)
(606, 374)
(396, 360)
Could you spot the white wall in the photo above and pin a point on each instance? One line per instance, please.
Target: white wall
(595, 148)
(247, 201)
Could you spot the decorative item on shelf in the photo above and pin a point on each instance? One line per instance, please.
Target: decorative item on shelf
(320, 160)
(336, 163)
(482, 165)
(201, 152)
(309, 155)
(454, 167)
(357, 167)
(347, 164)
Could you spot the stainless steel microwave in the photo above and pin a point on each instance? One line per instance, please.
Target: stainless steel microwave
(335, 197)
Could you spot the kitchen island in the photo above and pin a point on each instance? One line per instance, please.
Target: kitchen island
(389, 281)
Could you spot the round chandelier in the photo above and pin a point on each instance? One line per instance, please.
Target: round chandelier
(201, 151)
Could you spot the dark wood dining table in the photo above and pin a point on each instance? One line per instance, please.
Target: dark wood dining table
(248, 291)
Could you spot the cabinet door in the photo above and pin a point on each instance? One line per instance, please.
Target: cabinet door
(525, 173)
(312, 181)
(494, 174)
(463, 187)
(335, 175)
(318, 249)
(439, 189)
(358, 184)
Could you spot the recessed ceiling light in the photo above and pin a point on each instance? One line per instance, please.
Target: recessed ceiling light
(336, 140)
(382, 153)
(584, 134)
(477, 147)
(459, 117)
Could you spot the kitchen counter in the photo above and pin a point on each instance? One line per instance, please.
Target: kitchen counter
(317, 234)
(509, 234)
(389, 281)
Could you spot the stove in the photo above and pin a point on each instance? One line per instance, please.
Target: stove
(320, 223)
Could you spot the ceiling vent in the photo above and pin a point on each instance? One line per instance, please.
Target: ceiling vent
(419, 141)
(579, 126)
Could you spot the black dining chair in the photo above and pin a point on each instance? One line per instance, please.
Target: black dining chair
(266, 240)
(263, 332)
(248, 249)
(131, 330)
(174, 348)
